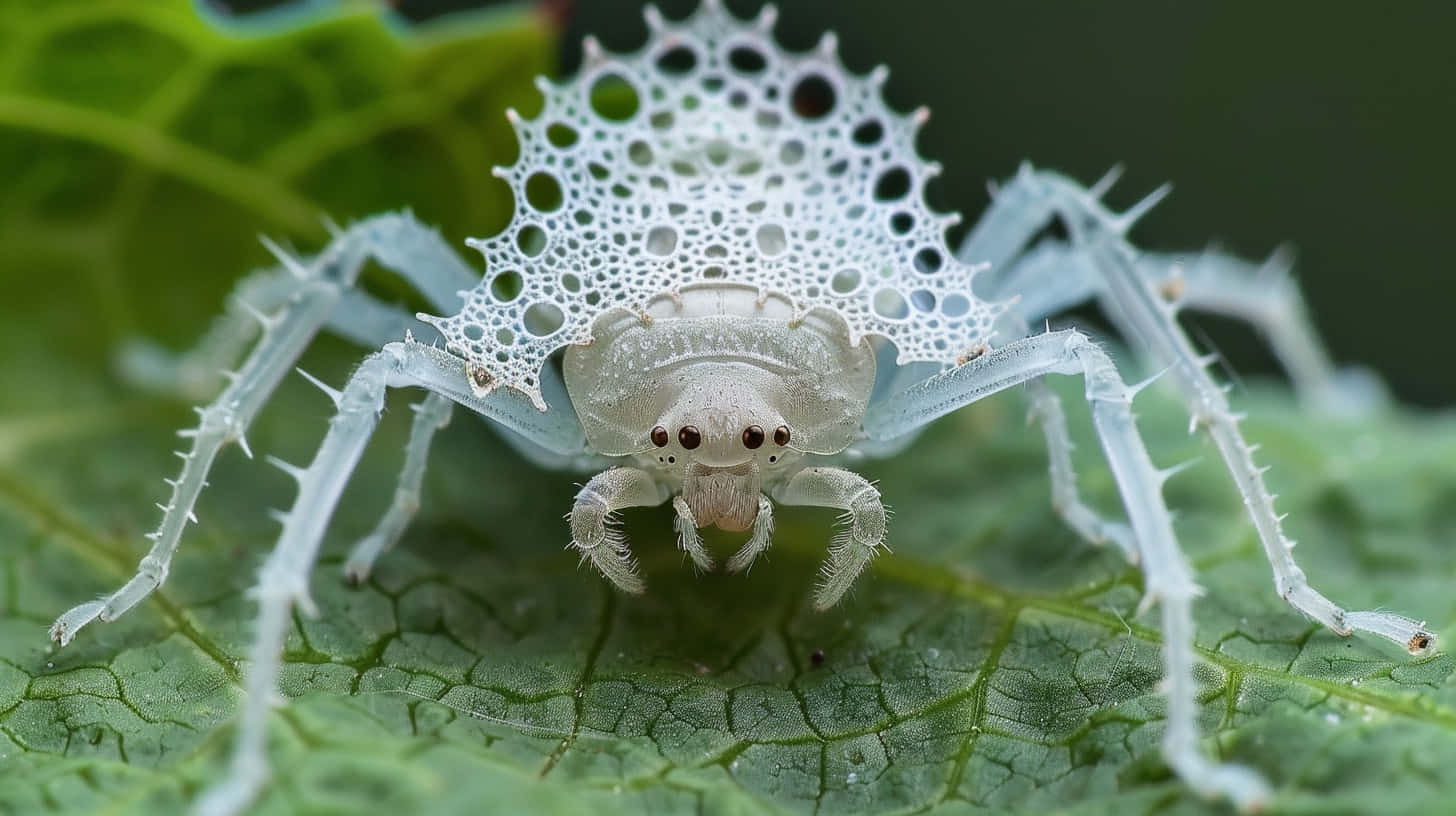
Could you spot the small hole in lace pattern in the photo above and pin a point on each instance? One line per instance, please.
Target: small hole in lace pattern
(640, 153)
(531, 240)
(506, 287)
(813, 97)
(771, 240)
(846, 281)
(791, 151)
(868, 133)
(661, 241)
(928, 261)
(614, 98)
(543, 192)
(561, 135)
(890, 304)
(746, 59)
(677, 61)
(893, 184)
(543, 319)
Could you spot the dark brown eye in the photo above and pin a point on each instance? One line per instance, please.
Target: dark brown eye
(689, 437)
(752, 437)
(781, 435)
(659, 436)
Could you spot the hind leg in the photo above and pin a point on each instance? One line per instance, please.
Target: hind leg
(1100, 254)
(306, 295)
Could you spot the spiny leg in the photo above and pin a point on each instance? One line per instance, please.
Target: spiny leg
(759, 538)
(195, 373)
(226, 419)
(592, 515)
(283, 580)
(1266, 296)
(1169, 580)
(1053, 276)
(397, 240)
(430, 415)
(317, 290)
(1046, 410)
(1098, 235)
(852, 548)
(688, 539)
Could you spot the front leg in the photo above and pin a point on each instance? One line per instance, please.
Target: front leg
(606, 547)
(758, 540)
(688, 539)
(1168, 579)
(852, 548)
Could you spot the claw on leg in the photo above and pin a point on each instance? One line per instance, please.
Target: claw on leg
(66, 626)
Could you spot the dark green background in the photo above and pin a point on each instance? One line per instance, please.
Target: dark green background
(1327, 125)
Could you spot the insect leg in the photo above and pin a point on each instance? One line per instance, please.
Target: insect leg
(432, 414)
(305, 295)
(283, 580)
(852, 548)
(285, 335)
(688, 539)
(591, 522)
(1046, 410)
(1101, 250)
(397, 240)
(1169, 580)
(1052, 276)
(1267, 297)
(758, 540)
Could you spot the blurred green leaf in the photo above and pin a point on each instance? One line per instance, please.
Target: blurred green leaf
(992, 663)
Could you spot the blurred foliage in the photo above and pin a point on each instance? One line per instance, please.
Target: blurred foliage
(991, 663)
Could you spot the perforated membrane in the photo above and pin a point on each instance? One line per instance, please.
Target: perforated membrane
(713, 154)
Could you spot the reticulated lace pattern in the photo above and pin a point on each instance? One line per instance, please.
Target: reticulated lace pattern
(713, 154)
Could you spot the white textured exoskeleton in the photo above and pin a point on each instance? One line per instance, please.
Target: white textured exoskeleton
(721, 275)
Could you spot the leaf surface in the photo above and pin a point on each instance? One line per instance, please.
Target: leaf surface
(992, 663)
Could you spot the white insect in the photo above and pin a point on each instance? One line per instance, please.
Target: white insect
(715, 289)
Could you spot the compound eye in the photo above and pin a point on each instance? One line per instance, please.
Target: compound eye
(781, 435)
(753, 437)
(659, 436)
(689, 437)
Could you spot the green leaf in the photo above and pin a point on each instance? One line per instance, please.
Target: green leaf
(991, 663)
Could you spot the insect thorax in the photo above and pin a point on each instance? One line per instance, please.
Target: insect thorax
(719, 358)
